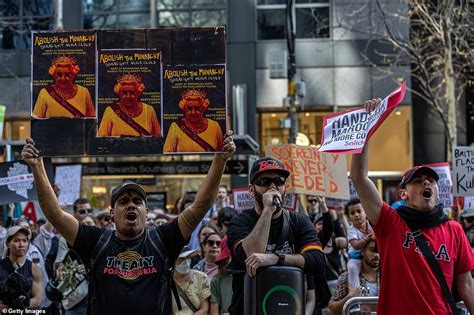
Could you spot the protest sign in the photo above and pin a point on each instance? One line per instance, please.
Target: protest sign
(347, 132)
(468, 202)
(129, 93)
(17, 183)
(290, 202)
(68, 179)
(63, 74)
(463, 171)
(2, 119)
(242, 199)
(445, 183)
(194, 91)
(313, 172)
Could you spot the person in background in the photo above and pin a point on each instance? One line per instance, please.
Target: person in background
(359, 234)
(312, 204)
(368, 278)
(150, 219)
(221, 284)
(203, 231)
(190, 283)
(224, 217)
(30, 291)
(467, 221)
(104, 220)
(212, 249)
(161, 219)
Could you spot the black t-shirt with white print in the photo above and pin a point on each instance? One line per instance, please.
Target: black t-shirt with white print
(127, 276)
(301, 236)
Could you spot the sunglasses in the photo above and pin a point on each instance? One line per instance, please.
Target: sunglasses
(312, 200)
(469, 219)
(106, 219)
(212, 243)
(267, 181)
(84, 211)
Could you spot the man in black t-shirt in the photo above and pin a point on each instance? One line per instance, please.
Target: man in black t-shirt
(128, 277)
(254, 236)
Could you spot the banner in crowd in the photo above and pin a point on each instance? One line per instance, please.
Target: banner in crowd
(347, 132)
(129, 93)
(313, 172)
(290, 201)
(242, 199)
(63, 74)
(195, 116)
(2, 119)
(463, 171)
(445, 183)
(68, 179)
(17, 183)
(116, 77)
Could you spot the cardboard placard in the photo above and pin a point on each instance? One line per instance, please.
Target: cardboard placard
(68, 178)
(463, 171)
(313, 172)
(445, 183)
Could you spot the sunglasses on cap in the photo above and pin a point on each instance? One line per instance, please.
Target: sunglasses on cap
(267, 181)
(84, 211)
(212, 243)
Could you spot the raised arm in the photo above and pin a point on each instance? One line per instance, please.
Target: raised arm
(368, 194)
(207, 192)
(37, 289)
(65, 223)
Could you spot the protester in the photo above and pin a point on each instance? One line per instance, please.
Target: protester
(312, 204)
(129, 266)
(64, 98)
(408, 284)
(193, 286)
(221, 284)
(161, 219)
(368, 279)
(150, 220)
(467, 222)
(212, 249)
(255, 236)
(194, 132)
(204, 229)
(360, 232)
(89, 220)
(104, 220)
(21, 279)
(224, 217)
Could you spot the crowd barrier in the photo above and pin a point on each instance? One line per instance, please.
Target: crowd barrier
(372, 300)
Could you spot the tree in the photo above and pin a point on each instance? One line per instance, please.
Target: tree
(438, 48)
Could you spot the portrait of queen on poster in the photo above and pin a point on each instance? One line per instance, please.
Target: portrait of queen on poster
(194, 132)
(64, 98)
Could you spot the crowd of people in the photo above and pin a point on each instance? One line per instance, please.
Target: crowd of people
(194, 260)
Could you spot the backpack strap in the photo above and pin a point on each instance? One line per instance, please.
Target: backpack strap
(99, 249)
(167, 277)
(423, 246)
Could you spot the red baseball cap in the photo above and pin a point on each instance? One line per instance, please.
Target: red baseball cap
(268, 164)
(420, 169)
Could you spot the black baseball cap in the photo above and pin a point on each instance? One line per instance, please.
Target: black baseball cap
(421, 169)
(268, 164)
(126, 185)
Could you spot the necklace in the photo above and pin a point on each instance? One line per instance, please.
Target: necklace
(197, 128)
(66, 93)
(132, 111)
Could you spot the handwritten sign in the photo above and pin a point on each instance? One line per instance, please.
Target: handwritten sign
(463, 171)
(313, 172)
(445, 183)
(68, 178)
(348, 131)
(242, 199)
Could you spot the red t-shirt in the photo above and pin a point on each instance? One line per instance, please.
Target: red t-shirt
(408, 285)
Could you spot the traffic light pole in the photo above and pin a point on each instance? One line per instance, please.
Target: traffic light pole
(290, 41)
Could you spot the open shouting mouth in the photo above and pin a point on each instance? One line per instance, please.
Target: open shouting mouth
(427, 193)
(131, 217)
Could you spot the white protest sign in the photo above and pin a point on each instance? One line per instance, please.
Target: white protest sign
(445, 183)
(463, 171)
(348, 131)
(242, 199)
(2, 119)
(468, 202)
(68, 178)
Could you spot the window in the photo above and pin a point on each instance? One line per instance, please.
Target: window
(312, 19)
(18, 18)
(136, 13)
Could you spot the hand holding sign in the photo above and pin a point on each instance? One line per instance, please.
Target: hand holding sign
(347, 132)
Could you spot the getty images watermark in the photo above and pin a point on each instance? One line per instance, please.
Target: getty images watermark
(19, 311)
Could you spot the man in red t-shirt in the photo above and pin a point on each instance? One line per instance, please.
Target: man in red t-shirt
(408, 284)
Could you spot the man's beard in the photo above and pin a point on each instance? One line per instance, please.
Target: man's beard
(259, 200)
(131, 231)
